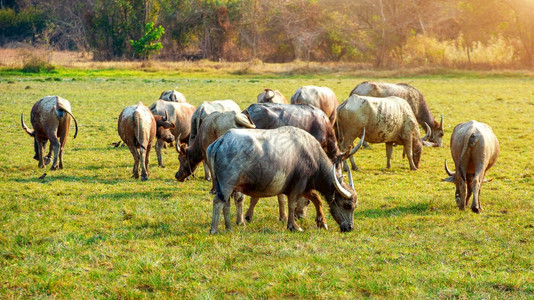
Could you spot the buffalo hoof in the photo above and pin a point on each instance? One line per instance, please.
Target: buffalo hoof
(162, 166)
(135, 176)
(322, 225)
(295, 228)
(213, 231)
(54, 168)
(144, 178)
(248, 219)
(476, 210)
(47, 160)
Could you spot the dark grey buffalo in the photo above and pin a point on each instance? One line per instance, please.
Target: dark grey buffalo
(474, 149)
(303, 116)
(50, 118)
(265, 163)
(414, 97)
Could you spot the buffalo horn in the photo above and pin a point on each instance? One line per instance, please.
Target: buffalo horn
(346, 194)
(447, 169)
(359, 144)
(166, 116)
(428, 132)
(350, 180)
(177, 144)
(441, 123)
(28, 130)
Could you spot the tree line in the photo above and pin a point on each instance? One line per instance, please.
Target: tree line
(382, 33)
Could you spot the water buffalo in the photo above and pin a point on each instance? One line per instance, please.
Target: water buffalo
(385, 120)
(202, 111)
(303, 116)
(416, 100)
(173, 96)
(180, 115)
(265, 163)
(271, 96)
(474, 149)
(318, 96)
(50, 118)
(137, 127)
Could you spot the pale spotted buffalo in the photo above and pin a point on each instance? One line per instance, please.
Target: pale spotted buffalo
(266, 163)
(384, 120)
(414, 97)
(318, 96)
(271, 96)
(173, 96)
(474, 149)
(180, 115)
(137, 127)
(50, 118)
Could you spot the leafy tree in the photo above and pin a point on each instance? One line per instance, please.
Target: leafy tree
(148, 43)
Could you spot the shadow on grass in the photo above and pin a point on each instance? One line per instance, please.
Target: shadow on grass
(154, 194)
(414, 209)
(67, 178)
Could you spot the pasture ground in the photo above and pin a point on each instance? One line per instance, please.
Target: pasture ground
(91, 231)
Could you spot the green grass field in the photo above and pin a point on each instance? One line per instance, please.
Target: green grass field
(90, 231)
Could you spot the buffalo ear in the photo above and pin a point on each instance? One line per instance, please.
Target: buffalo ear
(168, 125)
(449, 179)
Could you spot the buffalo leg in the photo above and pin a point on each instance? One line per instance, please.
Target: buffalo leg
(206, 172)
(142, 159)
(389, 152)
(54, 143)
(226, 214)
(40, 151)
(353, 164)
(282, 208)
(48, 158)
(409, 152)
(216, 214)
(292, 204)
(239, 199)
(477, 183)
(135, 155)
(159, 145)
(63, 134)
(302, 204)
(250, 211)
(320, 219)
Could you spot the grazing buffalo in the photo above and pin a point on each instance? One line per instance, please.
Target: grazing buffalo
(303, 116)
(173, 96)
(271, 96)
(414, 97)
(318, 96)
(202, 111)
(137, 127)
(214, 125)
(474, 149)
(50, 118)
(265, 163)
(384, 120)
(180, 115)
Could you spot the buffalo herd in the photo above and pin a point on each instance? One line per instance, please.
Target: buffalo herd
(273, 148)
